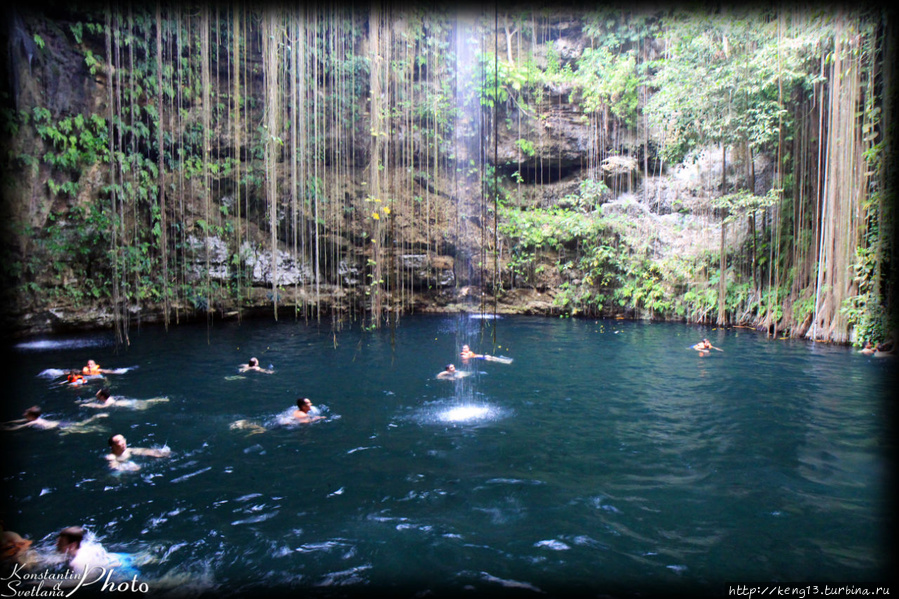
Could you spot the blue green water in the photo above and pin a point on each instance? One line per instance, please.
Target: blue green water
(607, 458)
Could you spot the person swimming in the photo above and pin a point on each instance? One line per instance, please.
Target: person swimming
(705, 346)
(253, 364)
(75, 378)
(83, 555)
(120, 454)
(467, 355)
(246, 425)
(450, 373)
(92, 369)
(15, 553)
(304, 413)
(33, 418)
(105, 400)
(304, 406)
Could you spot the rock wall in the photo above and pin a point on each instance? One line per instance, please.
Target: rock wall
(436, 244)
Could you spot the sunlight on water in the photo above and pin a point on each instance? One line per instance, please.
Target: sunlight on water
(465, 413)
(460, 412)
(57, 344)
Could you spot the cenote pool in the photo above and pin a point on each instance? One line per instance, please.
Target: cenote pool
(606, 459)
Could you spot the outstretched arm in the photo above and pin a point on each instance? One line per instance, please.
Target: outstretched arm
(94, 404)
(14, 425)
(153, 453)
(91, 419)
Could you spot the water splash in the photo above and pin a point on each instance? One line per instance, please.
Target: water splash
(456, 412)
(465, 413)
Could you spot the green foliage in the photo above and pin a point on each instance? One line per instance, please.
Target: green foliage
(607, 80)
(526, 147)
(744, 203)
(721, 81)
(503, 81)
(70, 255)
(730, 77)
(75, 143)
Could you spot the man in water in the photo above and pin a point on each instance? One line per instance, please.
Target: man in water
(120, 456)
(82, 556)
(32, 419)
(253, 364)
(105, 400)
(467, 354)
(304, 406)
(705, 346)
(68, 541)
(450, 373)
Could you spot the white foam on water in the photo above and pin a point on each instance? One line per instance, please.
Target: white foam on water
(52, 373)
(553, 544)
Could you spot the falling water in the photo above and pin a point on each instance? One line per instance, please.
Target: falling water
(468, 162)
(468, 157)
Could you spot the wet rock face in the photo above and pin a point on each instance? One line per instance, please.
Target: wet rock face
(557, 133)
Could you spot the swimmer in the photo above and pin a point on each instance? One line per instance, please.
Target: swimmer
(301, 414)
(246, 425)
(467, 354)
(120, 456)
(704, 346)
(75, 378)
(105, 400)
(15, 553)
(868, 349)
(82, 556)
(68, 541)
(92, 369)
(32, 418)
(253, 364)
(450, 373)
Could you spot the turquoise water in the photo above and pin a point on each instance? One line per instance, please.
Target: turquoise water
(607, 458)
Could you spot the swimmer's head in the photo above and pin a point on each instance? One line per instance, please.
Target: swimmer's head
(253, 362)
(117, 443)
(32, 413)
(450, 368)
(69, 539)
(304, 404)
(103, 394)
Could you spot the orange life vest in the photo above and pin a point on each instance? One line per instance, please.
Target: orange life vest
(89, 370)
